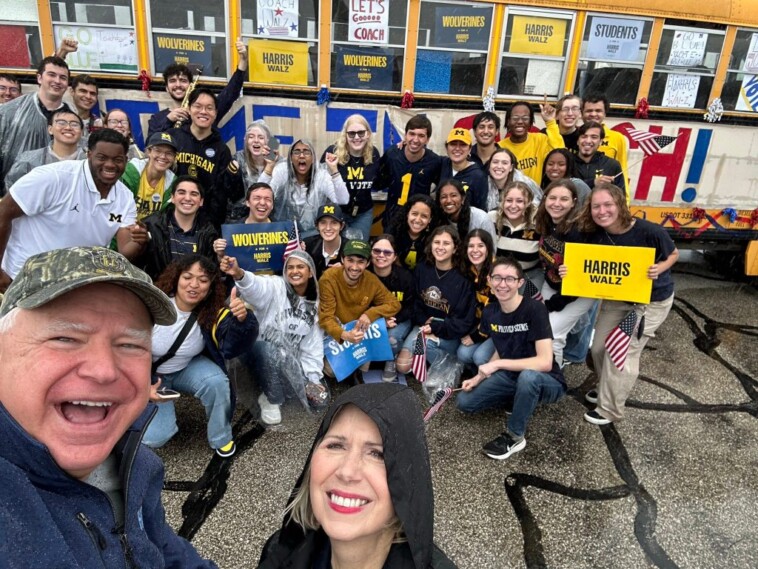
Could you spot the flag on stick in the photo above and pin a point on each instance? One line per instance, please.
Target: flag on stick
(531, 290)
(618, 341)
(439, 400)
(649, 142)
(418, 364)
(293, 242)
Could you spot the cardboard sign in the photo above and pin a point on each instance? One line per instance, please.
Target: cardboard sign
(369, 22)
(363, 68)
(187, 50)
(748, 99)
(277, 18)
(281, 62)
(462, 27)
(258, 247)
(681, 91)
(687, 49)
(615, 38)
(535, 35)
(101, 49)
(345, 357)
(751, 58)
(608, 272)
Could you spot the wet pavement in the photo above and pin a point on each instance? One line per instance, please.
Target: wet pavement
(673, 485)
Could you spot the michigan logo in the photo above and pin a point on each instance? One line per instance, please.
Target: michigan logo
(115, 217)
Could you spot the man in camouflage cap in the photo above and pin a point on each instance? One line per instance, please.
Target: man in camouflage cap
(75, 357)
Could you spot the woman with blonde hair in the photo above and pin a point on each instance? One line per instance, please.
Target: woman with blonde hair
(358, 164)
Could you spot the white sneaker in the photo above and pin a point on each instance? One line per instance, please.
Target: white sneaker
(271, 414)
(389, 374)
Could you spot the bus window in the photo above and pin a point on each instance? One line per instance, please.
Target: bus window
(686, 65)
(612, 56)
(535, 52)
(740, 91)
(22, 44)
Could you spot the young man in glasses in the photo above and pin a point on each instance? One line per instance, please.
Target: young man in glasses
(523, 369)
(568, 112)
(10, 88)
(65, 128)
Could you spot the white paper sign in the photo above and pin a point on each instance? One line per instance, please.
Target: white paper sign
(368, 21)
(748, 98)
(278, 18)
(687, 49)
(100, 49)
(751, 59)
(543, 77)
(681, 91)
(615, 38)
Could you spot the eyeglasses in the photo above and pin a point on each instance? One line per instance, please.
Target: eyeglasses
(117, 122)
(382, 252)
(356, 133)
(497, 279)
(60, 123)
(570, 109)
(12, 90)
(302, 152)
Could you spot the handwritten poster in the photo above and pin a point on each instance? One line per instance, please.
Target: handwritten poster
(538, 36)
(751, 59)
(282, 62)
(462, 27)
(681, 91)
(369, 21)
(687, 49)
(278, 18)
(748, 99)
(186, 50)
(363, 68)
(615, 38)
(100, 49)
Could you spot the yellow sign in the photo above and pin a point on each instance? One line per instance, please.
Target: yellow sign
(538, 36)
(281, 62)
(608, 272)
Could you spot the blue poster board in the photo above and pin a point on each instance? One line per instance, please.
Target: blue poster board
(257, 247)
(345, 357)
(188, 50)
(367, 68)
(462, 27)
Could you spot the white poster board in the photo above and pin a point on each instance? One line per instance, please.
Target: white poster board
(278, 18)
(100, 49)
(369, 22)
(751, 59)
(681, 91)
(615, 38)
(748, 97)
(687, 49)
(543, 77)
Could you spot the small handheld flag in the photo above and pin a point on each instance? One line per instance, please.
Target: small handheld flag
(618, 341)
(649, 142)
(439, 400)
(531, 290)
(418, 364)
(293, 241)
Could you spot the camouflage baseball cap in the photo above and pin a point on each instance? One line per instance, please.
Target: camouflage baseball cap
(49, 275)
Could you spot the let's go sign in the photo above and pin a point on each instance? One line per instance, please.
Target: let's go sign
(608, 272)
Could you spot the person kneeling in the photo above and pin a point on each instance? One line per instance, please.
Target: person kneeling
(523, 367)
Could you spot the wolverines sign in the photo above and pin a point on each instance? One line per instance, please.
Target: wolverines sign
(258, 247)
(462, 27)
(608, 272)
(273, 61)
(363, 68)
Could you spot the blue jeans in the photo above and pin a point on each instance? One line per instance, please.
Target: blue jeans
(435, 349)
(528, 388)
(397, 336)
(261, 360)
(476, 354)
(361, 223)
(578, 340)
(206, 381)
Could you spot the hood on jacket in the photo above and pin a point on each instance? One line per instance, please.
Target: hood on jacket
(397, 414)
(311, 293)
(314, 165)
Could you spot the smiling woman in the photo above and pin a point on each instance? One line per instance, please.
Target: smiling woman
(366, 492)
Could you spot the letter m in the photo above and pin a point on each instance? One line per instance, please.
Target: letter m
(328, 209)
(115, 217)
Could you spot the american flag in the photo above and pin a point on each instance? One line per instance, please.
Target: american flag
(418, 365)
(531, 290)
(293, 243)
(439, 400)
(649, 142)
(618, 341)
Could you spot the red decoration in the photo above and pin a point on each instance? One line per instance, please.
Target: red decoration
(698, 214)
(407, 102)
(643, 109)
(144, 77)
(754, 218)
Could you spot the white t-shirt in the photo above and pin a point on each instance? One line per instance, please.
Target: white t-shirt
(163, 339)
(63, 208)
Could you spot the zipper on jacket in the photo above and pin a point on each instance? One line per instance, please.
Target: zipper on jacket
(126, 547)
(97, 538)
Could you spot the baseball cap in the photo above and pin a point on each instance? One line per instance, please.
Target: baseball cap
(330, 210)
(356, 247)
(461, 134)
(48, 275)
(162, 138)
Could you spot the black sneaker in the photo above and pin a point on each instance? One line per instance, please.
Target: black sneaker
(591, 396)
(503, 447)
(596, 418)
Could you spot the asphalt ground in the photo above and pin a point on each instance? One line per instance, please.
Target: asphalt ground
(675, 484)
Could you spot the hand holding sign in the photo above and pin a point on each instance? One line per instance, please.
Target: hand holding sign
(229, 266)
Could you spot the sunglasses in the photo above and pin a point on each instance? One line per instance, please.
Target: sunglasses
(380, 252)
(356, 133)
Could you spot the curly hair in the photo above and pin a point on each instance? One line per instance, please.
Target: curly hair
(542, 220)
(570, 165)
(341, 149)
(464, 216)
(453, 232)
(584, 220)
(399, 221)
(526, 191)
(466, 264)
(209, 307)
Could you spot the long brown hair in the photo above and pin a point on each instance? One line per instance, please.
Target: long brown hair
(543, 222)
(209, 307)
(584, 220)
(528, 195)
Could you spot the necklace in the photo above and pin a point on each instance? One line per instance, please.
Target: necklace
(608, 235)
(445, 272)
